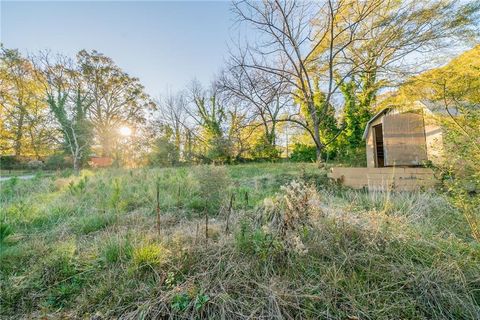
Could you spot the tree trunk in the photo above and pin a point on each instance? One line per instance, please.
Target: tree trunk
(19, 134)
(318, 143)
(76, 165)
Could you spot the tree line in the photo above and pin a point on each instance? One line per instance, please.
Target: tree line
(303, 87)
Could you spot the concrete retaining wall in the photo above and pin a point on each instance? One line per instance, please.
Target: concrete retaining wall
(389, 178)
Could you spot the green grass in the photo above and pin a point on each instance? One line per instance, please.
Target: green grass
(74, 247)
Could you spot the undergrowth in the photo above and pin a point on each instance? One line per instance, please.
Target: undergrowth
(295, 247)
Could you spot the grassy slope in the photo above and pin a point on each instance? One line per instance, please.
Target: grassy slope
(89, 245)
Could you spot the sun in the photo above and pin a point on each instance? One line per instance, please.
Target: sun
(125, 131)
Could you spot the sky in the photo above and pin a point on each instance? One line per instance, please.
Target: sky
(165, 44)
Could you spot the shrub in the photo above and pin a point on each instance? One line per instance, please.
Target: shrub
(213, 184)
(8, 162)
(287, 215)
(35, 164)
(57, 162)
(79, 187)
(303, 153)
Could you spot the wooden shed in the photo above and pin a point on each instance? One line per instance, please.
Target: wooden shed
(404, 138)
(399, 143)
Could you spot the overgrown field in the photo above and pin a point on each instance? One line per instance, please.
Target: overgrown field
(247, 241)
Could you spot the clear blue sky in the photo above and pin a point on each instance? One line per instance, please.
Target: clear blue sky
(165, 44)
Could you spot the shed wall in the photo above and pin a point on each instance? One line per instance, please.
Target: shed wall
(404, 139)
(371, 145)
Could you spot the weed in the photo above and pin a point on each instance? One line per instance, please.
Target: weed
(200, 301)
(213, 182)
(92, 223)
(180, 302)
(150, 255)
(79, 187)
(117, 250)
(306, 250)
(6, 230)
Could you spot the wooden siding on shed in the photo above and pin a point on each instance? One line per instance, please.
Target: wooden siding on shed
(404, 139)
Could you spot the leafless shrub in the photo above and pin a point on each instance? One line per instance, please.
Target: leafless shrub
(290, 212)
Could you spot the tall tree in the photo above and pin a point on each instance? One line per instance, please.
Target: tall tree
(172, 113)
(25, 129)
(289, 48)
(263, 97)
(69, 99)
(118, 98)
(336, 41)
(400, 39)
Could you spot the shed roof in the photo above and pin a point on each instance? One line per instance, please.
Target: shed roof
(375, 117)
(431, 107)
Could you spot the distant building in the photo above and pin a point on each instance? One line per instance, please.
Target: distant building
(100, 162)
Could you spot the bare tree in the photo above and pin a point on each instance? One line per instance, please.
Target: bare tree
(262, 94)
(172, 112)
(315, 47)
(289, 49)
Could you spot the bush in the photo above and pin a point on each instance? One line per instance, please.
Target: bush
(35, 164)
(303, 153)
(213, 184)
(8, 162)
(57, 162)
(287, 215)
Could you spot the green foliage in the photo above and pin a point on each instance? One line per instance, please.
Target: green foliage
(213, 184)
(114, 199)
(79, 187)
(219, 150)
(95, 222)
(8, 162)
(200, 301)
(5, 231)
(117, 250)
(303, 153)
(382, 250)
(7, 191)
(359, 97)
(257, 242)
(56, 162)
(264, 149)
(165, 152)
(180, 302)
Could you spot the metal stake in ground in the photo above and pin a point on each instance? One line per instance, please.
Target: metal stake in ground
(158, 208)
(230, 207)
(206, 223)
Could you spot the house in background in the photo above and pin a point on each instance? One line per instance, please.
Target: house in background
(399, 143)
(100, 162)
